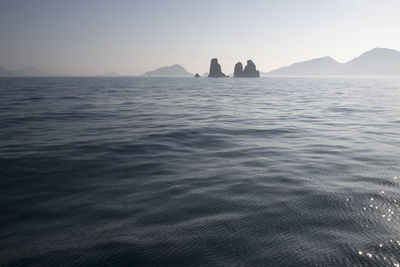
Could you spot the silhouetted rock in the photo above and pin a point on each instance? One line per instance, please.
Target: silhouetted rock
(238, 70)
(215, 69)
(197, 75)
(248, 72)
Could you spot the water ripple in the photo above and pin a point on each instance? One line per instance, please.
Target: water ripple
(199, 172)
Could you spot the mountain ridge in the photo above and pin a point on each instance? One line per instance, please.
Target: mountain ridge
(377, 61)
(4, 71)
(172, 70)
(25, 71)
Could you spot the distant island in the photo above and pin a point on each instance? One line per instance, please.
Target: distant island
(375, 62)
(174, 70)
(26, 71)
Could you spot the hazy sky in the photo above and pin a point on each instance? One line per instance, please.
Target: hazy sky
(131, 37)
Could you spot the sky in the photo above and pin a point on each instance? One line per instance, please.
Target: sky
(130, 37)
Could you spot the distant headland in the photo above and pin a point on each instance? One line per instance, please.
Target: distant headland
(174, 70)
(375, 62)
(30, 71)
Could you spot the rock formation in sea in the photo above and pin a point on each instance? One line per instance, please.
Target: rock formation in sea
(215, 69)
(197, 75)
(249, 71)
(238, 70)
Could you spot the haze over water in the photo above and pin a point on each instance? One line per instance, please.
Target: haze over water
(131, 37)
(184, 171)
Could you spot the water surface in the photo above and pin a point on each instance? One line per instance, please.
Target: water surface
(211, 172)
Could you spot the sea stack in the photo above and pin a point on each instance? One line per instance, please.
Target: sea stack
(249, 71)
(197, 75)
(238, 70)
(215, 69)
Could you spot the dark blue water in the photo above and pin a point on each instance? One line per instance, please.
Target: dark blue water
(199, 172)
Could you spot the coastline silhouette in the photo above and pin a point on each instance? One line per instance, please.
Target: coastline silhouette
(377, 61)
(374, 62)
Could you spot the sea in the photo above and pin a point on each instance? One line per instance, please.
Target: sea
(137, 171)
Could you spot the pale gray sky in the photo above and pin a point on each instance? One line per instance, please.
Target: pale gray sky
(132, 37)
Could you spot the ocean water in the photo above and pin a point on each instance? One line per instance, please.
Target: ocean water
(199, 172)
